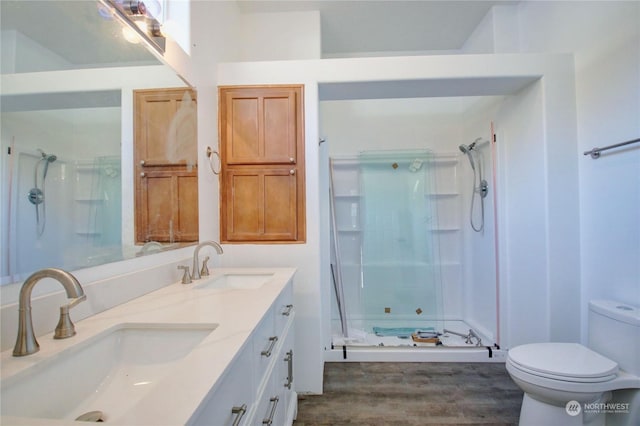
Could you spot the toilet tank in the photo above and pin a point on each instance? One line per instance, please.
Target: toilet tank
(614, 331)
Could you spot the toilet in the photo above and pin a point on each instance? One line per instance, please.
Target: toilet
(569, 384)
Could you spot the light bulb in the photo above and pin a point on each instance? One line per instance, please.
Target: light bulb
(130, 35)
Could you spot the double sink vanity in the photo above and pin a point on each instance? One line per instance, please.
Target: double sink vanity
(218, 351)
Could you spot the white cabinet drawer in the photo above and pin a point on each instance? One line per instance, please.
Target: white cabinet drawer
(283, 308)
(284, 373)
(232, 399)
(271, 405)
(274, 402)
(265, 344)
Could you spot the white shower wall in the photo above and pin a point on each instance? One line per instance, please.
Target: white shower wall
(75, 137)
(480, 268)
(441, 125)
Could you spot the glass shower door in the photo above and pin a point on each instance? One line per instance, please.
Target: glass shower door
(401, 285)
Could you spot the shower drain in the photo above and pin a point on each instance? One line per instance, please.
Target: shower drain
(91, 416)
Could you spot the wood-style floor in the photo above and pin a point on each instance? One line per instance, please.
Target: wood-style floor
(412, 394)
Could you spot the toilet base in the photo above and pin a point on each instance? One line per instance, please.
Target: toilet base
(536, 413)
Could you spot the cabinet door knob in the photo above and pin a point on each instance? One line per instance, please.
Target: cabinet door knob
(143, 174)
(292, 160)
(142, 162)
(292, 172)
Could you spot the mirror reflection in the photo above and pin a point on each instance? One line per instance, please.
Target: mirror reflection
(68, 121)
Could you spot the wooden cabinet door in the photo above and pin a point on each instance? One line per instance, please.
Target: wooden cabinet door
(165, 127)
(165, 156)
(262, 151)
(261, 125)
(260, 204)
(168, 210)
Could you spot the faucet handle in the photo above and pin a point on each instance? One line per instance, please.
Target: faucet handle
(65, 327)
(204, 272)
(186, 277)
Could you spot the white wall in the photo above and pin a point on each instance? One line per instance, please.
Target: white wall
(497, 33)
(32, 55)
(523, 210)
(605, 40)
(351, 126)
(280, 36)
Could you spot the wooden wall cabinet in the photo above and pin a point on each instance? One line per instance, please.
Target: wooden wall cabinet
(262, 150)
(165, 161)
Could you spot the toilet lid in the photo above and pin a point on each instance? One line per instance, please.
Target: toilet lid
(566, 361)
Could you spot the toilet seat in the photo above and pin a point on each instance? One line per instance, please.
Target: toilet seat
(569, 362)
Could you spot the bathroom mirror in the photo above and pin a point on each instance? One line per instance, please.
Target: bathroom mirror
(69, 70)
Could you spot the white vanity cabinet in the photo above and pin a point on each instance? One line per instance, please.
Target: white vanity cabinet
(257, 388)
(233, 397)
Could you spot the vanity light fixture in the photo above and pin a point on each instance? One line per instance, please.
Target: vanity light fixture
(154, 29)
(133, 7)
(139, 23)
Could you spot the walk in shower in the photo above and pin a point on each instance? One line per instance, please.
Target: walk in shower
(70, 217)
(398, 253)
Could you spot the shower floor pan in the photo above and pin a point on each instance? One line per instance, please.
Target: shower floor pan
(365, 346)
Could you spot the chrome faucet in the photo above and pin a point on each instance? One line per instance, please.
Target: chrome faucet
(150, 246)
(196, 274)
(26, 342)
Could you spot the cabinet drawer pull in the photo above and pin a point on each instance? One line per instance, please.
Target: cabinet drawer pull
(267, 352)
(142, 163)
(289, 360)
(292, 160)
(143, 174)
(269, 420)
(292, 172)
(239, 412)
(287, 310)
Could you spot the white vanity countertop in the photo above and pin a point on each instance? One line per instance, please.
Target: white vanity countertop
(174, 399)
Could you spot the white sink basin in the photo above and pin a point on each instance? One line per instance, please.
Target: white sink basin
(109, 373)
(244, 281)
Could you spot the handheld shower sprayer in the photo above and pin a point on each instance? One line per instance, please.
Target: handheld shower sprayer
(481, 188)
(47, 158)
(466, 149)
(36, 195)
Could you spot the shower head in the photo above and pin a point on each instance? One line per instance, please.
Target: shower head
(466, 148)
(48, 157)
